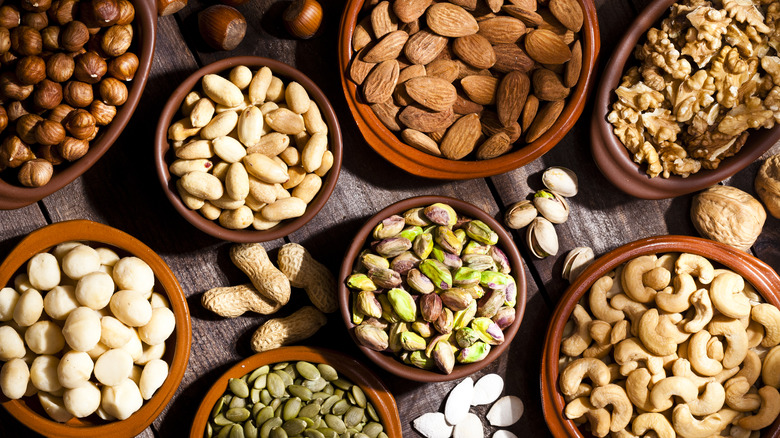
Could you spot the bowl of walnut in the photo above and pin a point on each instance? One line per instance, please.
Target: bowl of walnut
(689, 98)
(466, 90)
(669, 334)
(72, 74)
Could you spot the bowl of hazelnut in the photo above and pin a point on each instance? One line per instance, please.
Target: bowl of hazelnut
(72, 74)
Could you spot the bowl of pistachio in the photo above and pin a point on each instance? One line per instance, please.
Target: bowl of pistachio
(432, 289)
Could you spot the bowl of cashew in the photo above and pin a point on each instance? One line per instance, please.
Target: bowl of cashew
(672, 334)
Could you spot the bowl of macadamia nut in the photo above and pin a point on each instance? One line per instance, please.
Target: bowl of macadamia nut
(248, 149)
(94, 332)
(689, 98)
(674, 335)
(72, 74)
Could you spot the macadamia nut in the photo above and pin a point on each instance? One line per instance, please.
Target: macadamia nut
(82, 329)
(74, 369)
(63, 248)
(14, 377)
(29, 308)
(135, 374)
(108, 257)
(43, 373)
(8, 299)
(122, 400)
(54, 407)
(60, 301)
(159, 327)
(82, 401)
(159, 300)
(80, 261)
(44, 337)
(113, 333)
(22, 283)
(130, 307)
(134, 346)
(132, 273)
(113, 367)
(150, 352)
(11, 344)
(97, 350)
(94, 290)
(154, 374)
(43, 271)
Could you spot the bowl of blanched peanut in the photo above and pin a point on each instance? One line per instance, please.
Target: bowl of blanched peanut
(94, 332)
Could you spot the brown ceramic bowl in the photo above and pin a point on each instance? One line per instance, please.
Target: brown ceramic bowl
(387, 360)
(28, 410)
(759, 274)
(163, 155)
(14, 195)
(419, 163)
(614, 160)
(378, 394)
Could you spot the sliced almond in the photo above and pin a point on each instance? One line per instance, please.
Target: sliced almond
(511, 95)
(545, 118)
(443, 68)
(474, 50)
(432, 425)
(480, 89)
(379, 84)
(423, 47)
(383, 19)
(417, 118)
(501, 30)
(548, 86)
(511, 57)
(487, 389)
(450, 20)
(433, 93)
(389, 47)
(469, 427)
(545, 47)
(459, 401)
(462, 137)
(506, 411)
(568, 12)
(410, 10)
(572, 69)
(420, 141)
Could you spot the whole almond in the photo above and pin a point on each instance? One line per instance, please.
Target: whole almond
(379, 84)
(410, 10)
(422, 120)
(387, 113)
(359, 69)
(361, 37)
(463, 105)
(423, 47)
(498, 144)
(501, 30)
(568, 12)
(450, 20)
(412, 27)
(438, 135)
(433, 93)
(548, 86)
(546, 117)
(545, 47)
(491, 125)
(511, 95)
(494, 5)
(572, 69)
(529, 5)
(420, 141)
(443, 68)
(469, 5)
(552, 24)
(527, 16)
(510, 57)
(480, 89)
(462, 137)
(401, 96)
(467, 70)
(529, 111)
(389, 47)
(413, 71)
(383, 19)
(474, 50)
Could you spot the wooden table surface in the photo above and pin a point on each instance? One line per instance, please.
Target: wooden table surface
(122, 190)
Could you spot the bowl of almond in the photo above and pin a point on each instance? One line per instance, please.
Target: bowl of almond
(466, 90)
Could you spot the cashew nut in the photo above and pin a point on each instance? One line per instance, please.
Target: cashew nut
(655, 422)
(630, 351)
(579, 340)
(599, 332)
(737, 396)
(769, 317)
(697, 354)
(689, 427)
(715, 349)
(657, 278)
(598, 301)
(598, 418)
(614, 395)
(619, 332)
(755, 332)
(572, 376)
(632, 309)
(676, 298)
(770, 372)
(751, 367)
(638, 391)
(682, 368)
(582, 391)
(769, 410)
(667, 261)
(633, 272)
(736, 339)
(695, 265)
(658, 343)
(710, 401)
(726, 296)
(663, 391)
(703, 311)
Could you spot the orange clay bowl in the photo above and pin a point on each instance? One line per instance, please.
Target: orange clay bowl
(614, 160)
(376, 391)
(163, 153)
(387, 360)
(28, 410)
(388, 145)
(759, 274)
(14, 195)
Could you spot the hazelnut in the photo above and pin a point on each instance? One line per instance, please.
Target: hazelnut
(15, 110)
(49, 153)
(3, 119)
(113, 91)
(126, 12)
(168, 7)
(49, 133)
(36, 20)
(36, 173)
(51, 38)
(11, 88)
(30, 70)
(14, 152)
(60, 67)
(47, 94)
(26, 41)
(8, 59)
(72, 149)
(303, 18)
(77, 94)
(222, 27)
(25, 127)
(5, 40)
(117, 39)
(36, 5)
(103, 113)
(100, 13)
(62, 11)
(59, 112)
(73, 36)
(90, 68)
(10, 17)
(124, 66)
(80, 124)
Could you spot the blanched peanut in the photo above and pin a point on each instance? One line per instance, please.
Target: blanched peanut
(159, 300)
(183, 167)
(130, 307)
(311, 156)
(237, 182)
(80, 261)
(150, 352)
(189, 101)
(258, 88)
(8, 299)
(43, 271)
(262, 191)
(154, 374)
(181, 130)
(54, 407)
(202, 185)
(270, 144)
(108, 257)
(229, 149)
(132, 273)
(43, 373)
(14, 377)
(226, 203)
(192, 202)
(260, 223)
(291, 156)
(327, 163)
(236, 219)
(74, 369)
(196, 149)
(297, 98)
(268, 107)
(29, 308)
(301, 139)
(221, 90)
(11, 344)
(135, 374)
(210, 211)
(122, 400)
(275, 91)
(159, 327)
(220, 170)
(44, 337)
(113, 367)
(253, 203)
(82, 329)
(282, 209)
(82, 401)
(264, 168)
(60, 301)
(250, 125)
(241, 76)
(312, 118)
(296, 173)
(220, 125)
(114, 334)
(308, 188)
(94, 290)
(285, 121)
(202, 112)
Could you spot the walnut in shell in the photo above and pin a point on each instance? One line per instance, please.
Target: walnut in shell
(768, 184)
(728, 215)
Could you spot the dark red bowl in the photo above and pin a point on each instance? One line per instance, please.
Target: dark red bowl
(390, 362)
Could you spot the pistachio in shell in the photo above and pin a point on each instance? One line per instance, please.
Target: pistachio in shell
(419, 282)
(430, 307)
(389, 227)
(561, 180)
(368, 304)
(576, 261)
(542, 238)
(474, 352)
(520, 214)
(441, 214)
(552, 206)
(505, 316)
(371, 337)
(443, 356)
(416, 216)
(403, 304)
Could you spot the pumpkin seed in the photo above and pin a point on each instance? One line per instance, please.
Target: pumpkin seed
(275, 385)
(342, 384)
(237, 415)
(372, 412)
(360, 397)
(278, 432)
(327, 372)
(237, 431)
(237, 402)
(268, 425)
(264, 415)
(265, 397)
(224, 432)
(261, 381)
(372, 429)
(220, 420)
(354, 416)
(291, 409)
(328, 404)
(250, 430)
(294, 426)
(281, 365)
(340, 407)
(307, 370)
(209, 430)
(254, 395)
(315, 385)
(238, 387)
(313, 433)
(311, 410)
(301, 392)
(335, 423)
(218, 406)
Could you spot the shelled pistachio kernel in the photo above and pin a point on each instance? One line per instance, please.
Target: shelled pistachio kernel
(293, 399)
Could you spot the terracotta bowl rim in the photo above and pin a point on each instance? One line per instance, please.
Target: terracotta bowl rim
(359, 374)
(86, 230)
(613, 159)
(390, 363)
(419, 163)
(16, 196)
(162, 147)
(758, 273)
